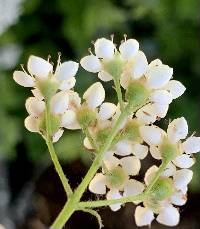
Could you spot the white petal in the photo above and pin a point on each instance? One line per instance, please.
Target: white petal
(124, 80)
(140, 151)
(184, 161)
(129, 48)
(74, 100)
(31, 124)
(39, 67)
(158, 76)
(178, 198)
(87, 143)
(151, 134)
(23, 79)
(169, 216)
(160, 109)
(150, 173)
(114, 194)
(67, 84)
(131, 165)
(146, 114)
(155, 153)
(182, 178)
(69, 120)
(104, 76)
(34, 106)
(59, 102)
(104, 48)
(123, 148)
(155, 62)
(140, 65)
(36, 92)
(177, 130)
(91, 63)
(133, 187)
(143, 216)
(94, 95)
(58, 135)
(191, 145)
(98, 184)
(66, 70)
(161, 97)
(107, 110)
(110, 161)
(176, 88)
(170, 170)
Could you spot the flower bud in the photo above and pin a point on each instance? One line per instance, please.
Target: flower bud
(136, 94)
(86, 117)
(168, 151)
(163, 188)
(116, 178)
(47, 87)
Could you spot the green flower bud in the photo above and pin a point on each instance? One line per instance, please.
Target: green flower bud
(131, 130)
(116, 178)
(136, 94)
(86, 117)
(47, 87)
(114, 66)
(102, 136)
(162, 189)
(54, 124)
(168, 151)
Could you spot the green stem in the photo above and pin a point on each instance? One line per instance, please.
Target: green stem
(101, 203)
(119, 93)
(157, 175)
(72, 203)
(53, 155)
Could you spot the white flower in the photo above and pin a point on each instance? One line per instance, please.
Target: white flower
(116, 178)
(129, 49)
(40, 69)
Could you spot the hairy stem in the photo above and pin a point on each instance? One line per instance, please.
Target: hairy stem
(72, 203)
(53, 155)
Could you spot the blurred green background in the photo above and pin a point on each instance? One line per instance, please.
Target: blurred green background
(166, 29)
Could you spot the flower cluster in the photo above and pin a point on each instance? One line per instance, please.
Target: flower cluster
(120, 135)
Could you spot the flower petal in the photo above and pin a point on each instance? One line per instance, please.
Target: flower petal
(191, 145)
(146, 114)
(59, 102)
(91, 63)
(184, 161)
(155, 153)
(182, 178)
(110, 161)
(69, 120)
(94, 95)
(23, 79)
(161, 97)
(176, 88)
(114, 194)
(36, 92)
(104, 76)
(67, 84)
(140, 151)
(98, 184)
(152, 135)
(57, 135)
(131, 165)
(170, 170)
(31, 124)
(66, 70)
(104, 48)
(150, 173)
(39, 67)
(123, 148)
(143, 216)
(169, 216)
(158, 76)
(177, 130)
(139, 66)
(87, 143)
(178, 198)
(133, 187)
(34, 106)
(129, 48)
(107, 110)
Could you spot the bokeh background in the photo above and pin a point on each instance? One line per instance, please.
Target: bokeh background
(30, 192)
